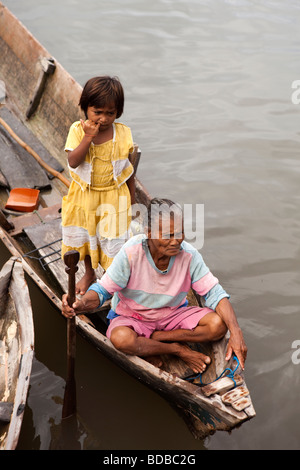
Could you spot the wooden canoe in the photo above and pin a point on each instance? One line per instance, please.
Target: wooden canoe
(37, 234)
(16, 351)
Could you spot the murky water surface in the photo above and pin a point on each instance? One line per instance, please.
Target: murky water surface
(209, 100)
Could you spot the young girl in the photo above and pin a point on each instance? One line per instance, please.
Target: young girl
(95, 218)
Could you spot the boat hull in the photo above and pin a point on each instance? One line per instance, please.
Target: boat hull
(59, 103)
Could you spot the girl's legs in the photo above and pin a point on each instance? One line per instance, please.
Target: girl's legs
(88, 278)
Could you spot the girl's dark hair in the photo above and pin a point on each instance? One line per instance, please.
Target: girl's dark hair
(100, 91)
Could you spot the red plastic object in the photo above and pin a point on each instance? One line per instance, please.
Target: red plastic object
(23, 199)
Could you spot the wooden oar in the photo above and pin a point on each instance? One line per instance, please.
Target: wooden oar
(47, 167)
(71, 259)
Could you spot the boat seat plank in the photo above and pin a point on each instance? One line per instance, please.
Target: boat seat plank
(221, 385)
(35, 218)
(249, 410)
(241, 404)
(19, 168)
(27, 136)
(6, 410)
(235, 394)
(3, 180)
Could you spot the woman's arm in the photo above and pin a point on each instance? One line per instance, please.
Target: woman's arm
(236, 343)
(113, 280)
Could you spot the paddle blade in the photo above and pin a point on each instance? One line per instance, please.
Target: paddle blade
(69, 405)
(71, 259)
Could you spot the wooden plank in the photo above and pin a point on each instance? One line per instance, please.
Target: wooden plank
(4, 222)
(3, 181)
(35, 155)
(20, 293)
(5, 411)
(241, 404)
(250, 411)
(221, 386)
(19, 167)
(235, 394)
(37, 217)
(27, 136)
(5, 276)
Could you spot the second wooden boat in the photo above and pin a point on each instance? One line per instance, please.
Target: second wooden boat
(16, 351)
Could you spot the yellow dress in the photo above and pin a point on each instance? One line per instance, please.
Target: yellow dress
(95, 212)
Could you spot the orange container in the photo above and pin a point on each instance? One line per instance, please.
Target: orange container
(23, 199)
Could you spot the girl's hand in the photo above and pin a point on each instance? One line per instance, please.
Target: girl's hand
(90, 127)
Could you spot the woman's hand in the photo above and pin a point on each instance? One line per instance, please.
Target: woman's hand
(87, 303)
(70, 312)
(236, 345)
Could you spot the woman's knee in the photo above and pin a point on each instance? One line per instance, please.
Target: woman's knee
(123, 339)
(217, 327)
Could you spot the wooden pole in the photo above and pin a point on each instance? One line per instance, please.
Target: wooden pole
(47, 167)
(71, 259)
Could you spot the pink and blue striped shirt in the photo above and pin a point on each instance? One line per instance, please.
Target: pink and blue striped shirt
(142, 291)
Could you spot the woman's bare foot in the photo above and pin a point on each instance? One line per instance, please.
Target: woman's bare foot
(194, 359)
(88, 278)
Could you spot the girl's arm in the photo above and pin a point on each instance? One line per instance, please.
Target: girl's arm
(77, 156)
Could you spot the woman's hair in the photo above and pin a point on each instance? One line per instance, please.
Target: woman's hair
(101, 91)
(164, 210)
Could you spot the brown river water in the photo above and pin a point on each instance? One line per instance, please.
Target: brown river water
(210, 101)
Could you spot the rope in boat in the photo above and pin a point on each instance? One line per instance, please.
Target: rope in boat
(230, 375)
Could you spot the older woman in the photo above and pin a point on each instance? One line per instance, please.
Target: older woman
(149, 280)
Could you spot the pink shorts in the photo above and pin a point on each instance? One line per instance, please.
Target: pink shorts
(184, 318)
